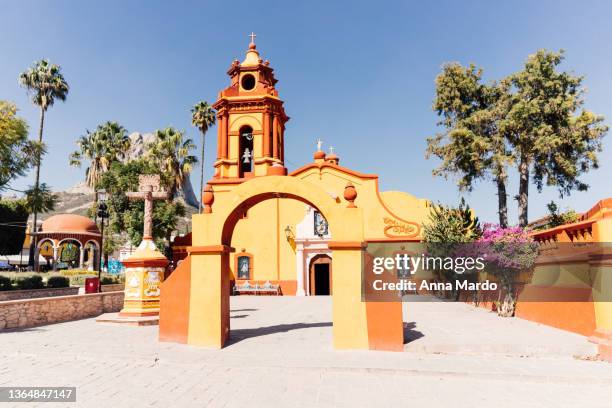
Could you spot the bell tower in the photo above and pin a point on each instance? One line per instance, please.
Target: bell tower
(251, 121)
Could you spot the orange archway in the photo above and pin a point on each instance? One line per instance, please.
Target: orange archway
(194, 305)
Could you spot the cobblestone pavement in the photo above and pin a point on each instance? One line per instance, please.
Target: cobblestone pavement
(280, 355)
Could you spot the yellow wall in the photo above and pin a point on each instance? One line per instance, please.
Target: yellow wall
(262, 234)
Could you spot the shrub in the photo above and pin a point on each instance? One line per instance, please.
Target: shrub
(5, 283)
(107, 280)
(31, 282)
(58, 282)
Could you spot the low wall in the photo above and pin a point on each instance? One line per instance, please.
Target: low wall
(37, 293)
(36, 312)
(115, 287)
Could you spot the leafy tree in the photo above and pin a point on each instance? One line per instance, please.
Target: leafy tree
(203, 117)
(533, 118)
(17, 153)
(554, 138)
(13, 219)
(555, 218)
(102, 147)
(472, 145)
(45, 82)
(170, 152)
(127, 217)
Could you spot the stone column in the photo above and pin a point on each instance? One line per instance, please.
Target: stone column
(266, 134)
(275, 137)
(81, 256)
(224, 137)
(219, 136)
(299, 263)
(55, 254)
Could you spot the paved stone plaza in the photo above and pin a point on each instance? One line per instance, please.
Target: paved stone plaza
(281, 355)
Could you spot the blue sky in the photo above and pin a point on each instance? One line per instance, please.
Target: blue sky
(359, 75)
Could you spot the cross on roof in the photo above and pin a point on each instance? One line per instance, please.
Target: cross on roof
(319, 144)
(252, 35)
(331, 149)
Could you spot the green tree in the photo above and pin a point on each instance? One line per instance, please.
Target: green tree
(102, 147)
(17, 153)
(125, 216)
(556, 218)
(203, 116)
(170, 152)
(13, 218)
(46, 84)
(40, 200)
(472, 145)
(555, 139)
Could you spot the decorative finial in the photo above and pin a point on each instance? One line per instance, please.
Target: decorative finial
(252, 44)
(319, 144)
(350, 194)
(331, 149)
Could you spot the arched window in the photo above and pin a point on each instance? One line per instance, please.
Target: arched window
(246, 150)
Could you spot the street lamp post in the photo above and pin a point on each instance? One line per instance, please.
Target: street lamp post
(102, 213)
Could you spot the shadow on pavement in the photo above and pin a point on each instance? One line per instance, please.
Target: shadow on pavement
(410, 334)
(243, 334)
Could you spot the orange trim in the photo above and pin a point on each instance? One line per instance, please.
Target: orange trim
(277, 238)
(342, 169)
(145, 262)
(339, 245)
(580, 225)
(382, 240)
(385, 326)
(174, 304)
(210, 249)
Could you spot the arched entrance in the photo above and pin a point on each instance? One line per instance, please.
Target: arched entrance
(320, 273)
(194, 304)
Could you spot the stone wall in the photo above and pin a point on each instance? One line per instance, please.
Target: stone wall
(115, 287)
(37, 293)
(36, 312)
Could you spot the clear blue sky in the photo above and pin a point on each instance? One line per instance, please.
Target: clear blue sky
(359, 75)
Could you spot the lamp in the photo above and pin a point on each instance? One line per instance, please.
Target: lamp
(102, 213)
(289, 233)
(102, 196)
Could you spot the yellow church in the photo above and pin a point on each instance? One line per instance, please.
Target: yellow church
(264, 230)
(281, 245)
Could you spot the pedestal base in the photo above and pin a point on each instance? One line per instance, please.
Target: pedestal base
(128, 320)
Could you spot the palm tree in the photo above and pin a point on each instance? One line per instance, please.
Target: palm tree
(46, 84)
(203, 117)
(171, 153)
(109, 143)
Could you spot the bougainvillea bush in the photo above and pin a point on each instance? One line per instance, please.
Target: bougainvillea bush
(507, 252)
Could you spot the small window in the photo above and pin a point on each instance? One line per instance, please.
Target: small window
(244, 266)
(248, 82)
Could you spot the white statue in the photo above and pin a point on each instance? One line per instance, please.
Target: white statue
(246, 156)
(319, 145)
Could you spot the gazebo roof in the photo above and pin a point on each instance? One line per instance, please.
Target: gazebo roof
(69, 224)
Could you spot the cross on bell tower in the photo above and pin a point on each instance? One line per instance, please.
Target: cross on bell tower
(250, 121)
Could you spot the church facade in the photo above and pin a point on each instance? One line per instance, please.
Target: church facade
(283, 242)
